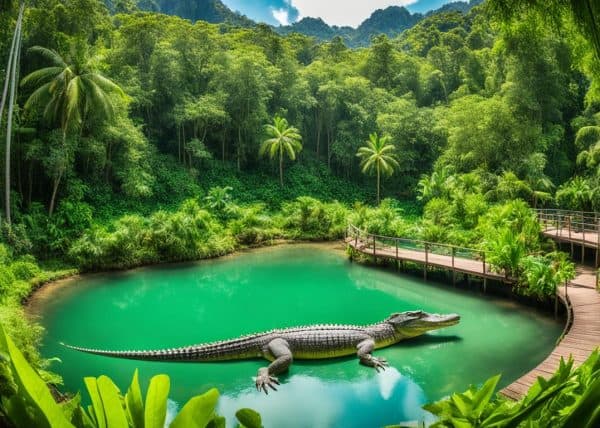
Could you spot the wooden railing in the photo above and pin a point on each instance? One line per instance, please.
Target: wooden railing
(580, 227)
(372, 242)
(580, 222)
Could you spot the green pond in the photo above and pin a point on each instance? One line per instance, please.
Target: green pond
(176, 305)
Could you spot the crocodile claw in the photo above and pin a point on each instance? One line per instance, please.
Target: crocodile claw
(264, 382)
(379, 363)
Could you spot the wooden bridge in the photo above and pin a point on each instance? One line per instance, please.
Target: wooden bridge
(428, 254)
(577, 228)
(582, 331)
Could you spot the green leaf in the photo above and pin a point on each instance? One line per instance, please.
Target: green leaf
(462, 403)
(483, 396)
(217, 422)
(33, 393)
(69, 407)
(113, 403)
(97, 408)
(134, 403)
(249, 418)
(198, 412)
(586, 408)
(155, 410)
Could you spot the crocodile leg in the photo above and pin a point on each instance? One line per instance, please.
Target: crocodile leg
(365, 349)
(279, 349)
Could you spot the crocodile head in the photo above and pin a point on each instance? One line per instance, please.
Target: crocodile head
(415, 323)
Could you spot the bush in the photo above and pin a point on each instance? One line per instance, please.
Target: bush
(309, 218)
(24, 269)
(7, 277)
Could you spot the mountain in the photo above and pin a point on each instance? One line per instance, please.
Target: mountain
(213, 11)
(317, 28)
(390, 21)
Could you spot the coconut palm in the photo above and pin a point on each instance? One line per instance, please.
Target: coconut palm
(69, 91)
(378, 155)
(284, 139)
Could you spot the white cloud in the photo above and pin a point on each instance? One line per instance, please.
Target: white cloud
(281, 15)
(343, 12)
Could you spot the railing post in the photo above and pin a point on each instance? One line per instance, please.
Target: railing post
(426, 261)
(484, 274)
(397, 261)
(597, 242)
(453, 269)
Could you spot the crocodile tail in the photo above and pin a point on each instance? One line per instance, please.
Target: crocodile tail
(177, 354)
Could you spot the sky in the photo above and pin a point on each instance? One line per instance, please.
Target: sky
(334, 12)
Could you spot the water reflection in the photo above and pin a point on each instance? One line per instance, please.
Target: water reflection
(306, 401)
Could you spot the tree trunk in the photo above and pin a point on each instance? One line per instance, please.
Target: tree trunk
(30, 183)
(179, 143)
(329, 148)
(54, 193)
(223, 148)
(378, 183)
(239, 149)
(8, 68)
(11, 108)
(281, 167)
(57, 181)
(318, 126)
(183, 139)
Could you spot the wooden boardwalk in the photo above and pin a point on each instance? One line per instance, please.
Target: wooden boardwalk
(428, 254)
(581, 296)
(582, 338)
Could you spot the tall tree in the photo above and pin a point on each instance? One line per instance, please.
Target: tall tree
(70, 92)
(378, 155)
(10, 86)
(284, 139)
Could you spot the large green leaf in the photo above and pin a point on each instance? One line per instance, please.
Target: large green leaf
(249, 418)
(134, 403)
(155, 410)
(97, 408)
(482, 397)
(585, 413)
(33, 405)
(198, 412)
(113, 403)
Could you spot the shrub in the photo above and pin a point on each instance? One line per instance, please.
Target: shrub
(24, 269)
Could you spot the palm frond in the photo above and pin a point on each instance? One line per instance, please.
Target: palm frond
(50, 55)
(41, 76)
(104, 83)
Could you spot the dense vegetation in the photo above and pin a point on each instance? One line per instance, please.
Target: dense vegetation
(135, 137)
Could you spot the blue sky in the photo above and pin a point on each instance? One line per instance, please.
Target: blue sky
(334, 12)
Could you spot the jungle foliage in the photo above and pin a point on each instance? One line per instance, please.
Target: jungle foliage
(569, 398)
(135, 138)
(26, 401)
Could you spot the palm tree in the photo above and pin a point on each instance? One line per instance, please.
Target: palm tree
(284, 139)
(69, 91)
(378, 155)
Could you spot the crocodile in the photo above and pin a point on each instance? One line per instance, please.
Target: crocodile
(281, 346)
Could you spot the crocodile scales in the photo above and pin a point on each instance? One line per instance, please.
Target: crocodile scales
(281, 346)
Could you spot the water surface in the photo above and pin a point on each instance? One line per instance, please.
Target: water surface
(178, 305)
